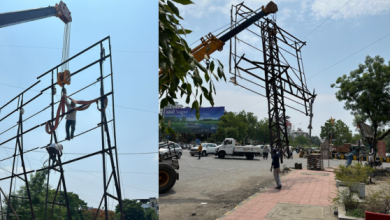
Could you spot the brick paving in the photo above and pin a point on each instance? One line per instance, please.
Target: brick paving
(298, 188)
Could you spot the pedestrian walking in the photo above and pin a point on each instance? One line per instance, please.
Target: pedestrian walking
(265, 152)
(276, 166)
(291, 152)
(200, 148)
(349, 157)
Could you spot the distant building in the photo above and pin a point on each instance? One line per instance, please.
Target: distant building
(152, 203)
(299, 132)
(170, 106)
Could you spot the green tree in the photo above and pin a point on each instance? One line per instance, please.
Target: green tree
(131, 210)
(340, 131)
(355, 138)
(252, 124)
(180, 72)
(366, 93)
(301, 140)
(37, 186)
(233, 125)
(150, 214)
(262, 131)
(315, 140)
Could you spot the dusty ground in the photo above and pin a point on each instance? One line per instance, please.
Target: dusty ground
(221, 183)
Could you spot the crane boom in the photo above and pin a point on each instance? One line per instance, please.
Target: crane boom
(212, 43)
(59, 10)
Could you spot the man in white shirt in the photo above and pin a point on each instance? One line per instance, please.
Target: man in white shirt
(70, 120)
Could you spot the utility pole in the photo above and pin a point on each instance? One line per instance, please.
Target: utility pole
(331, 139)
(311, 117)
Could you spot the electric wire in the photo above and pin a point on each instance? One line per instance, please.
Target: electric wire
(58, 48)
(349, 56)
(326, 19)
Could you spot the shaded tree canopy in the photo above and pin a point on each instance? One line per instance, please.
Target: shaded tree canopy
(366, 92)
(340, 132)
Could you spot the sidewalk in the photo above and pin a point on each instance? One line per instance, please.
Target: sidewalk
(302, 187)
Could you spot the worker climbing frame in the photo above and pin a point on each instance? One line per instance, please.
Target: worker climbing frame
(281, 80)
(55, 148)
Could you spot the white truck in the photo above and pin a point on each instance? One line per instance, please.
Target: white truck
(229, 147)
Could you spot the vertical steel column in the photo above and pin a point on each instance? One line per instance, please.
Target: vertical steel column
(62, 178)
(274, 88)
(102, 128)
(13, 167)
(1, 208)
(51, 137)
(20, 143)
(114, 128)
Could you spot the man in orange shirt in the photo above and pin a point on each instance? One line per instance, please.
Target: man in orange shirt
(200, 148)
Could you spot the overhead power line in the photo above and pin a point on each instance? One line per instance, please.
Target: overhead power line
(326, 19)
(58, 48)
(137, 109)
(348, 56)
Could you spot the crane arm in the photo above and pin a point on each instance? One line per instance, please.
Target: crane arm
(211, 44)
(59, 10)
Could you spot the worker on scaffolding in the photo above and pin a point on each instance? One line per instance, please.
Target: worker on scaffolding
(70, 118)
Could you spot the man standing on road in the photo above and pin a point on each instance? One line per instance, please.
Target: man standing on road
(349, 157)
(265, 152)
(200, 148)
(275, 164)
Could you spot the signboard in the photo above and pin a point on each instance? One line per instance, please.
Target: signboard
(183, 120)
(381, 149)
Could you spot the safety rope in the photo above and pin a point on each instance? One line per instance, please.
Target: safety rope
(50, 128)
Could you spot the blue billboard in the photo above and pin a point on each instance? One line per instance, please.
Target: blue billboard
(183, 120)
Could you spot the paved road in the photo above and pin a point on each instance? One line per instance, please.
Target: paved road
(221, 183)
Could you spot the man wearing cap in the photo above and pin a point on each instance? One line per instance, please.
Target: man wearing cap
(275, 164)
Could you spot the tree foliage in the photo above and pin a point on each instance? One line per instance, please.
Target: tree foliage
(133, 210)
(37, 186)
(340, 132)
(180, 73)
(301, 140)
(315, 141)
(366, 92)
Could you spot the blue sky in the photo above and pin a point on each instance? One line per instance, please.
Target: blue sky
(339, 35)
(30, 49)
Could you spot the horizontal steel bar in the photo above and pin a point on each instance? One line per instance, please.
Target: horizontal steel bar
(107, 94)
(19, 135)
(20, 94)
(86, 156)
(19, 154)
(17, 175)
(111, 196)
(85, 67)
(88, 48)
(24, 104)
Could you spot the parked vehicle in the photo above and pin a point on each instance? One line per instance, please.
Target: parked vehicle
(229, 147)
(207, 148)
(170, 150)
(167, 168)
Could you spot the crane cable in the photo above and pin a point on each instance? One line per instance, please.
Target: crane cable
(64, 77)
(65, 47)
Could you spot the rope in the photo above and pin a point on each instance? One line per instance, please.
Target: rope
(50, 128)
